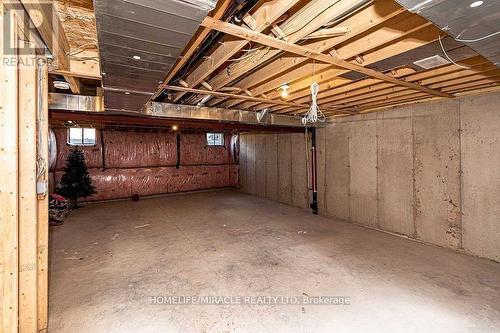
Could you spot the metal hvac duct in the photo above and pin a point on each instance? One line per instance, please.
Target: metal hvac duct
(76, 103)
(476, 26)
(169, 110)
(139, 41)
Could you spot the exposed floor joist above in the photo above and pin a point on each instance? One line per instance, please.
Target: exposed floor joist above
(243, 53)
(380, 40)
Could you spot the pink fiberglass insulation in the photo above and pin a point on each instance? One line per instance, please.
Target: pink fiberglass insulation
(208, 155)
(144, 163)
(127, 149)
(123, 183)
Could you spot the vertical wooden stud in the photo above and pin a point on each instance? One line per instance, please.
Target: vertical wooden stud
(8, 187)
(28, 231)
(43, 200)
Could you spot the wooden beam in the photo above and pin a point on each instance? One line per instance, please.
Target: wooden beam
(370, 85)
(481, 89)
(80, 69)
(49, 26)
(8, 188)
(329, 32)
(328, 79)
(74, 84)
(223, 94)
(265, 15)
(377, 13)
(43, 202)
(445, 82)
(394, 99)
(393, 30)
(321, 11)
(250, 35)
(362, 90)
(28, 232)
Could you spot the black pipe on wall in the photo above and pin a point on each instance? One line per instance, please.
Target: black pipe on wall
(314, 171)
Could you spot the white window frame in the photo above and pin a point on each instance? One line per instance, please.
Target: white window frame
(82, 139)
(213, 143)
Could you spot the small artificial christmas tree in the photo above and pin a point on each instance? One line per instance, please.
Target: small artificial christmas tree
(76, 181)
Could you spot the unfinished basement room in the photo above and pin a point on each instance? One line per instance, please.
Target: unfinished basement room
(248, 166)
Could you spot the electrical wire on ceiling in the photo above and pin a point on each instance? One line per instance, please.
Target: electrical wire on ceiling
(73, 54)
(476, 39)
(446, 55)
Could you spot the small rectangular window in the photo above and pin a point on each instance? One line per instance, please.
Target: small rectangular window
(215, 139)
(78, 136)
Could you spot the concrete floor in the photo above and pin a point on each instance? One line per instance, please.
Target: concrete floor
(104, 270)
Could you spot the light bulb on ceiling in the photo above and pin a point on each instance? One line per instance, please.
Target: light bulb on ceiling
(175, 128)
(476, 4)
(136, 57)
(284, 90)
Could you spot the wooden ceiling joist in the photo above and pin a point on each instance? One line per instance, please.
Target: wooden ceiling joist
(329, 80)
(377, 14)
(223, 94)
(300, 78)
(398, 97)
(445, 82)
(250, 35)
(290, 29)
(370, 87)
(50, 29)
(265, 15)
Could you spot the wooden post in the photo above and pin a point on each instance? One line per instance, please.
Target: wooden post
(43, 199)
(28, 231)
(8, 186)
(23, 215)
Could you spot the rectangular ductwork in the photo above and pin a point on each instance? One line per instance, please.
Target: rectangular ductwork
(169, 110)
(93, 104)
(139, 42)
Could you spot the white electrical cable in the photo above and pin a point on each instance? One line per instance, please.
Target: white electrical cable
(41, 163)
(477, 39)
(446, 55)
(314, 114)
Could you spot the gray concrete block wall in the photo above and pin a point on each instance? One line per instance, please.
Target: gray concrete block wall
(429, 171)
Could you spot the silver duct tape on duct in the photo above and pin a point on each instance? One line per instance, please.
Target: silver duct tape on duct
(75, 103)
(168, 110)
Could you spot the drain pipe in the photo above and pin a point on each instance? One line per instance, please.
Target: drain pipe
(314, 171)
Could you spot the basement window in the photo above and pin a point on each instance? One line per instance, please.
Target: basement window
(81, 136)
(215, 139)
